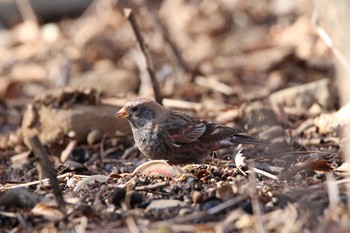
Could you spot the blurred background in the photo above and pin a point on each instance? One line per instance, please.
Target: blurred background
(231, 51)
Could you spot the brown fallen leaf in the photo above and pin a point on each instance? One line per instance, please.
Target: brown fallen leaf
(48, 211)
(311, 165)
(318, 165)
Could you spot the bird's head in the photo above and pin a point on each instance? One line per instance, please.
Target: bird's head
(141, 111)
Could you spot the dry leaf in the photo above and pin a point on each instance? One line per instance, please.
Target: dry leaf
(47, 211)
(90, 180)
(313, 165)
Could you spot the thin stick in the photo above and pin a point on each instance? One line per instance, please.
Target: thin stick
(68, 150)
(327, 39)
(130, 221)
(264, 173)
(143, 47)
(47, 170)
(214, 85)
(182, 104)
(152, 186)
(225, 205)
(255, 203)
(130, 151)
(333, 193)
(159, 25)
(41, 181)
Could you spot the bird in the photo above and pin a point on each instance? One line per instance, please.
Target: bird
(174, 136)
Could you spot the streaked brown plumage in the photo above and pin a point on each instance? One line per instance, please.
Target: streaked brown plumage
(174, 136)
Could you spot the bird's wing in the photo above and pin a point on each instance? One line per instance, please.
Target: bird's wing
(214, 131)
(183, 128)
(217, 132)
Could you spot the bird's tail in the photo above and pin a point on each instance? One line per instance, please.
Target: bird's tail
(244, 139)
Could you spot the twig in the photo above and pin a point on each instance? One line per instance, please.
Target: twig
(264, 173)
(130, 221)
(92, 22)
(175, 53)
(181, 104)
(102, 146)
(347, 186)
(327, 39)
(255, 203)
(143, 48)
(46, 170)
(171, 103)
(152, 186)
(129, 184)
(42, 181)
(227, 204)
(215, 85)
(333, 193)
(68, 150)
(334, 200)
(130, 151)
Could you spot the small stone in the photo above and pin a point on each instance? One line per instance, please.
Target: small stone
(94, 136)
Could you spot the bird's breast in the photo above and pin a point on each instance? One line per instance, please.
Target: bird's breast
(151, 143)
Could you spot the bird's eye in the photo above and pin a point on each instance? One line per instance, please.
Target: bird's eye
(134, 109)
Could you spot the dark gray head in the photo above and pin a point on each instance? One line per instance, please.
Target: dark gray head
(141, 112)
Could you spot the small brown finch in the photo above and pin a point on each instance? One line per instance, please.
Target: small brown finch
(174, 136)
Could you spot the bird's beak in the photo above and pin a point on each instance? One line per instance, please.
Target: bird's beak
(122, 113)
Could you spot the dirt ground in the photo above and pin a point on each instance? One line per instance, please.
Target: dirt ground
(67, 164)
